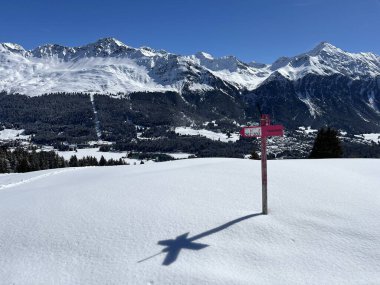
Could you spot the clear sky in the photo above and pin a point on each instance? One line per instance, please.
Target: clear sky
(249, 29)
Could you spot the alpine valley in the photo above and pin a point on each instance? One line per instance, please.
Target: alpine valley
(142, 99)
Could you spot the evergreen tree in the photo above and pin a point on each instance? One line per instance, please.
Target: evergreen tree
(34, 163)
(326, 144)
(102, 161)
(111, 162)
(23, 166)
(73, 161)
(5, 166)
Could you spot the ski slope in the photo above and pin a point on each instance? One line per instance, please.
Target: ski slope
(193, 221)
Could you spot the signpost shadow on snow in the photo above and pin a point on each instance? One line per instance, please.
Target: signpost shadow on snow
(174, 246)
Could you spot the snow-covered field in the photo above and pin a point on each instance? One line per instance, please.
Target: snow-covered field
(11, 135)
(83, 152)
(193, 221)
(207, 133)
(370, 137)
(94, 152)
(179, 155)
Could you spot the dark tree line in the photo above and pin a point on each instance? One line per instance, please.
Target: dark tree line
(359, 150)
(326, 144)
(92, 161)
(21, 160)
(50, 118)
(157, 157)
(61, 119)
(200, 146)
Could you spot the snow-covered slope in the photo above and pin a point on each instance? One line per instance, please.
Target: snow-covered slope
(232, 70)
(110, 66)
(326, 59)
(102, 67)
(118, 225)
(107, 66)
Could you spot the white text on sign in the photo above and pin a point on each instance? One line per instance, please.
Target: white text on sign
(252, 132)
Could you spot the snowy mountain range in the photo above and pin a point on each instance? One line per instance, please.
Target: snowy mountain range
(110, 66)
(325, 86)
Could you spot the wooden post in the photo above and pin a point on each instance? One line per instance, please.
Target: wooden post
(264, 121)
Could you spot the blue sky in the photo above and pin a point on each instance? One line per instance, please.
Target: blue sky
(249, 29)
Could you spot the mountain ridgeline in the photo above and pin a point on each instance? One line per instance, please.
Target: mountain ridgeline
(145, 87)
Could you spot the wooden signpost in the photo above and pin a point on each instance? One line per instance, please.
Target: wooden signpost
(264, 130)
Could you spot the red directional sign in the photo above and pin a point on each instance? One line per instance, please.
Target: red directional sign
(264, 130)
(273, 131)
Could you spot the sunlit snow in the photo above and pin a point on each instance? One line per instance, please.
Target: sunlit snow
(193, 221)
(12, 134)
(207, 133)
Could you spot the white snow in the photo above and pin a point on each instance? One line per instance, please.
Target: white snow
(12, 134)
(342, 133)
(202, 87)
(207, 133)
(371, 102)
(35, 76)
(179, 155)
(103, 225)
(110, 67)
(313, 108)
(370, 137)
(94, 152)
(250, 78)
(326, 59)
(307, 130)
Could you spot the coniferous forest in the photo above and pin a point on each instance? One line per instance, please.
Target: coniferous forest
(24, 160)
(49, 119)
(141, 123)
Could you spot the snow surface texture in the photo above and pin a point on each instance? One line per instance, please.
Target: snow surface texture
(370, 137)
(94, 152)
(179, 155)
(11, 135)
(307, 130)
(193, 222)
(207, 133)
(110, 66)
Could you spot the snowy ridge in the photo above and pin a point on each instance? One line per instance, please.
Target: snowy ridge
(326, 59)
(110, 66)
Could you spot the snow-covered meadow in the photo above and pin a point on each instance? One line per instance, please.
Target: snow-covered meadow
(12, 134)
(95, 152)
(193, 221)
(215, 136)
(373, 137)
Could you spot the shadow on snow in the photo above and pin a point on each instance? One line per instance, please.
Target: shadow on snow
(174, 246)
